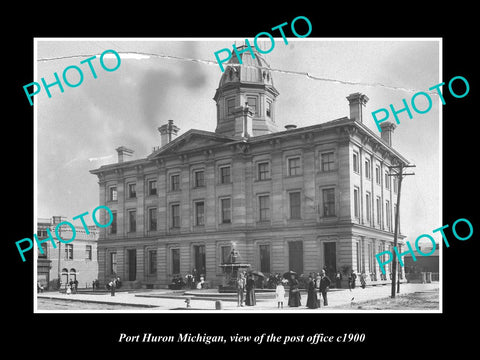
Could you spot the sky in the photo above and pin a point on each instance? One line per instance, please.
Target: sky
(79, 129)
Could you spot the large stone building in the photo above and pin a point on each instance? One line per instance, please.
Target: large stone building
(76, 260)
(299, 199)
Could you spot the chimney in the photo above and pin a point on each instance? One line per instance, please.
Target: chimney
(168, 132)
(387, 131)
(357, 100)
(122, 152)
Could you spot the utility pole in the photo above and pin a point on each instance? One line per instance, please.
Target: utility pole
(400, 175)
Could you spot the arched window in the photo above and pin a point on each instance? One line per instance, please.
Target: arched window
(64, 276)
(73, 274)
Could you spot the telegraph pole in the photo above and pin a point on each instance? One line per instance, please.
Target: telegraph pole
(400, 175)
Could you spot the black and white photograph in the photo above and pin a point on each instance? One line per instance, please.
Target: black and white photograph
(272, 170)
(269, 185)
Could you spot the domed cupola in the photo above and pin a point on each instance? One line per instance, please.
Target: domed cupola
(249, 83)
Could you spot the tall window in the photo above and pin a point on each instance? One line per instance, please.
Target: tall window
(152, 262)
(356, 167)
(368, 199)
(377, 174)
(294, 166)
(265, 258)
(45, 251)
(132, 220)
(175, 215)
(230, 106)
(295, 205)
(395, 184)
(263, 171)
(175, 261)
(252, 103)
(264, 207)
(113, 225)
(328, 161)
(199, 213)
(387, 215)
(357, 251)
(88, 252)
(379, 210)
(225, 210)
(175, 182)
(387, 180)
(371, 258)
(199, 178)
(225, 174)
(113, 263)
(225, 253)
(68, 251)
(132, 193)
(269, 109)
(152, 187)
(152, 219)
(113, 195)
(328, 202)
(356, 202)
(367, 169)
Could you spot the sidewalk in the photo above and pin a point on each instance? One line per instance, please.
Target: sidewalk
(153, 300)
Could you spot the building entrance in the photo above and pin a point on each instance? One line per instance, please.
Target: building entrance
(295, 256)
(199, 256)
(330, 258)
(132, 264)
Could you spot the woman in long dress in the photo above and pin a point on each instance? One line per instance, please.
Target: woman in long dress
(312, 293)
(250, 287)
(294, 293)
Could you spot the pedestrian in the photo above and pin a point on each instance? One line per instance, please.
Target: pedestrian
(351, 280)
(294, 297)
(112, 287)
(75, 286)
(280, 294)
(338, 280)
(69, 289)
(240, 289)
(311, 292)
(324, 285)
(250, 288)
(363, 283)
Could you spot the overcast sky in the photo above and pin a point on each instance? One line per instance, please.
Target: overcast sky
(78, 130)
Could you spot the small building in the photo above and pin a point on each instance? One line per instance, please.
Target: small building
(76, 260)
(423, 264)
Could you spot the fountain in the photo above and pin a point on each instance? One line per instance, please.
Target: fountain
(231, 269)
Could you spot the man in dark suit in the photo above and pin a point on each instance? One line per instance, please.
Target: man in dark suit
(324, 284)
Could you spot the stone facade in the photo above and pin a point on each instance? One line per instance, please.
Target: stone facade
(302, 199)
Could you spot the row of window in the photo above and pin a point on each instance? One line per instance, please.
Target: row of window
(368, 172)
(294, 168)
(225, 214)
(368, 208)
(67, 252)
(264, 258)
(252, 104)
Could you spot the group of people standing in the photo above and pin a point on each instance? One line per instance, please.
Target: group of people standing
(318, 285)
(246, 290)
(72, 287)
